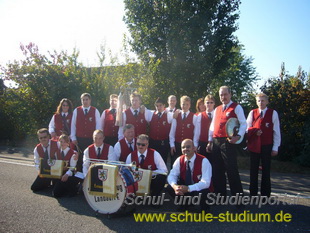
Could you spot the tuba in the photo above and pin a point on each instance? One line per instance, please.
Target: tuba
(232, 128)
(123, 102)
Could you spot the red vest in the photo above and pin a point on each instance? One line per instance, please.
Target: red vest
(110, 129)
(125, 151)
(149, 162)
(85, 125)
(59, 124)
(204, 127)
(184, 128)
(221, 119)
(92, 153)
(67, 157)
(159, 129)
(196, 170)
(53, 149)
(139, 122)
(265, 124)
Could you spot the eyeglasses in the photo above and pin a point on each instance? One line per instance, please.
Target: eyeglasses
(42, 137)
(141, 144)
(65, 105)
(186, 147)
(209, 102)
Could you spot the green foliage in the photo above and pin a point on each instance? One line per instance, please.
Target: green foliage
(41, 82)
(289, 96)
(192, 44)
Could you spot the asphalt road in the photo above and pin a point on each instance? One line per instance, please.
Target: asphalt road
(21, 210)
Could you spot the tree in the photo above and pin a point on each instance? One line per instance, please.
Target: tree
(290, 95)
(41, 82)
(193, 44)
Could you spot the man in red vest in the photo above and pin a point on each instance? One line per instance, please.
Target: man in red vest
(224, 150)
(264, 139)
(190, 175)
(172, 102)
(85, 120)
(150, 159)
(46, 150)
(182, 127)
(160, 124)
(97, 151)
(126, 145)
(108, 118)
(135, 115)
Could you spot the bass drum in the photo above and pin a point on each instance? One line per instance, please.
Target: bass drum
(105, 204)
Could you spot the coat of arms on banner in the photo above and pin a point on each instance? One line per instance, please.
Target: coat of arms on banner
(138, 175)
(103, 174)
(51, 162)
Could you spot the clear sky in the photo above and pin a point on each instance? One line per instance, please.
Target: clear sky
(272, 31)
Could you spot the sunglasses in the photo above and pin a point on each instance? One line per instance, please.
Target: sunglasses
(209, 102)
(42, 137)
(141, 144)
(186, 147)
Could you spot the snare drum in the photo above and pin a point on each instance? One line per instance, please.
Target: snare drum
(110, 204)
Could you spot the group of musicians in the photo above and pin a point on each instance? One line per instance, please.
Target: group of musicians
(201, 153)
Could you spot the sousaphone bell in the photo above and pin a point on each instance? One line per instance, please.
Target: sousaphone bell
(232, 128)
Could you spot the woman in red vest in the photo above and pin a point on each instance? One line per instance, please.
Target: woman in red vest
(68, 182)
(61, 120)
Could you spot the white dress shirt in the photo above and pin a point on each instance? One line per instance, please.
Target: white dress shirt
(51, 126)
(118, 149)
(174, 127)
(120, 130)
(73, 123)
(86, 162)
(276, 127)
(198, 126)
(36, 155)
(206, 174)
(240, 116)
(102, 118)
(151, 113)
(73, 162)
(158, 160)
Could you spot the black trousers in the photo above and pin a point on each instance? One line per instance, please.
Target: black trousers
(162, 147)
(41, 183)
(203, 151)
(157, 184)
(204, 195)
(110, 140)
(83, 143)
(224, 158)
(265, 158)
(178, 152)
(69, 187)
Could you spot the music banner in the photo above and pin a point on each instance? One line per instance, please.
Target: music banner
(51, 168)
(144, 178)
(102, 180)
